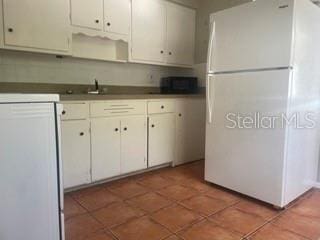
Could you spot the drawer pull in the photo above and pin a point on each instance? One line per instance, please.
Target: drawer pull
(117, 129)
(110, 109)
(120, 112)
(152, 125)
(125, 129)
(180, 114)
(63, 112)
(82, 134)
(162, 107)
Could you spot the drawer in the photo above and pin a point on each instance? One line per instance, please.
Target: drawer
(155, 107)
(75, 111)
(117, 108)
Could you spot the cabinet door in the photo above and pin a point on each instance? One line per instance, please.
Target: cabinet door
(117, 16)
(75, 144)
(133, 144)
(105, 145)
(87, 13)
(161, 139)
(190, 130)
(38, 24)
(148, 30)
(180, 34)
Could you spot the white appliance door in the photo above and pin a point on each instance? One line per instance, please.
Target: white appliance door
(29, 173)
(255, 35)
(240, 155)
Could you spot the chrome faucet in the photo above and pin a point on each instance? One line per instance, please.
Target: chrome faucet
(96, 91)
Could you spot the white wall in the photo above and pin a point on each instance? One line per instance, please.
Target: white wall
(42, 68)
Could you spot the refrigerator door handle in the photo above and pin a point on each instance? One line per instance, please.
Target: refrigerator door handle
(209, 103)
(211, 48)
(59, 109)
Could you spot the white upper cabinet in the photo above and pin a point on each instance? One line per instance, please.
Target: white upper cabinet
(37, 25)
(1, 25)
(148, 35)
(162, 33)
(180, 34)
(117, 16)
(87, 13)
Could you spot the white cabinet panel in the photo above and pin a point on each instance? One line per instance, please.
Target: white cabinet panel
(148, 30)
(105, 142)
(133, 144)
(190, 130)
(117, 16)
(1, 25)
(180, 34)
(87, 13)
(161, 139)
(42, 25)
(75, 152)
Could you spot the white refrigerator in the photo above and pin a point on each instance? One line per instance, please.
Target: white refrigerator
(30, 168)
(264, 64)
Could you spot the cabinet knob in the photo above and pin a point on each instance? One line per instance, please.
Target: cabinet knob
(162, 107)
(97, 21)
(125, 129)
(117, 129)
(63, 112)
(82, 134)
(180, 114)
(152, 125)
(161, 52)
(10, 29)
(108, 24)
(170, 53)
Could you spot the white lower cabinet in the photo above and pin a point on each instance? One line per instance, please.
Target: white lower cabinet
(75, 141)
(190, 130)
(161, 139)
(129, 136)
(105, 145)
(118, 146)
(133, 144)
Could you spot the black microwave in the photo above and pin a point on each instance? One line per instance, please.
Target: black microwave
(179, 85)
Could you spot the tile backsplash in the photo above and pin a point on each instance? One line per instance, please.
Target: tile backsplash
(42, 68)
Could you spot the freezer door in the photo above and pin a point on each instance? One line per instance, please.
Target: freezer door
(247, 158)
(255, 35)
(29, 172)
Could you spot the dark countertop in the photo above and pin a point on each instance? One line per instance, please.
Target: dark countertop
(92, 97)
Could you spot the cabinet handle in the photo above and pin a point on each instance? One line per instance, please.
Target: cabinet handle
(125, 129)
(63, 112)
(108, 24)
(117, 129)
(82, 134)
(97, 21)
(10, 29)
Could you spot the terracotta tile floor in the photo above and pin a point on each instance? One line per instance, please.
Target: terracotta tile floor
(176, 204)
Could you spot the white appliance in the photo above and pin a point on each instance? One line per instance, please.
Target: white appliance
(263, 58)
(30, 168)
